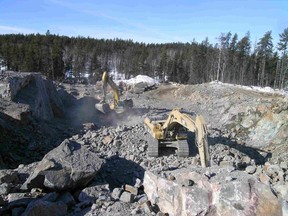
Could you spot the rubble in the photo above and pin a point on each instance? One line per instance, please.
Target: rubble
(92, 164)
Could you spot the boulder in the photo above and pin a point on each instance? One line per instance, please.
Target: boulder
(68, 199)
(17, 211)
(131, 189)
(34, 90)
(250, 169)
(47, 208)
(92, 193)
(5, 188)
(2, 202)
(127, 197)
(244, 195)
(15, 200)
(12, 82)
(69, 166)
(116, 193)
(8, 176)
(282, 190)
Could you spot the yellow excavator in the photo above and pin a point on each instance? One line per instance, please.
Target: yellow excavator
(172, 132)
(117, 105)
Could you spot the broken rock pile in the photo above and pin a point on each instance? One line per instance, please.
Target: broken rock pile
(105, 170)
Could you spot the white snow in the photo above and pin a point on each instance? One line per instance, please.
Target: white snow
(256, 88)
(138, 79)
(150, 81)
(119, 77)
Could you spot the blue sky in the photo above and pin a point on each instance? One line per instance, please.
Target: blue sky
(157, 21)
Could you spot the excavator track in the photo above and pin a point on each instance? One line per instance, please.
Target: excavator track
(182, 148)
(153, 148)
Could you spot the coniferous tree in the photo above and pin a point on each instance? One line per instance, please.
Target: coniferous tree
(281, 79)
(232, 61)
(243, 51)
(229, 61)
(264, 49)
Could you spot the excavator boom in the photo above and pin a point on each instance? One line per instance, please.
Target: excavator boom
(108, 81)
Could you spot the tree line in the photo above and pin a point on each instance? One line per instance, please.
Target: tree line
(231, 60)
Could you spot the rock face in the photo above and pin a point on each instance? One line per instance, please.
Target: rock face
(240, 195)
(68, 166)
(32, 89)
(245, 115)
(12, 82)
(264, 124)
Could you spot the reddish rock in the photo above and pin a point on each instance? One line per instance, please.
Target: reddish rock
(242, 196)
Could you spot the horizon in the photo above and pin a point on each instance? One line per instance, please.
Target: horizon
(150, 22)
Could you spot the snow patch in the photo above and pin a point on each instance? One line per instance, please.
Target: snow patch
(138, 79)
(119, 77)
(256, 88)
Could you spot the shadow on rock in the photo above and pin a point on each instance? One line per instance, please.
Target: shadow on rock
(225, 149)
(118, 171)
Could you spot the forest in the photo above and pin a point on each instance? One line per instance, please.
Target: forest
(231, 60)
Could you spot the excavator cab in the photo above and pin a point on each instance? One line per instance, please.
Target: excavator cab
(117, 105)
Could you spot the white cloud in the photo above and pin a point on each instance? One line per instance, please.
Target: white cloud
(140, 32)
(106, 33)
(14, 30)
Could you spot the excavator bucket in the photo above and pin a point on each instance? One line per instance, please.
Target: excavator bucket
(103, 107)
(119, 109)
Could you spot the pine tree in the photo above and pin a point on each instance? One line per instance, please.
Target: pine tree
(264, 49)
(282, 78)
(243, 51)
(232, 69)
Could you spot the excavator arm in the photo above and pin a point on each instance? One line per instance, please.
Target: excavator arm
(108, 81)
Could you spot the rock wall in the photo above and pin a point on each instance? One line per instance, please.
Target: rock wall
(256, 118)
(12, 82)
(264, 124)
(34, 90)
(191, 193)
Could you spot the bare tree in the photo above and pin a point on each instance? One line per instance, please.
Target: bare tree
(224, 40)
